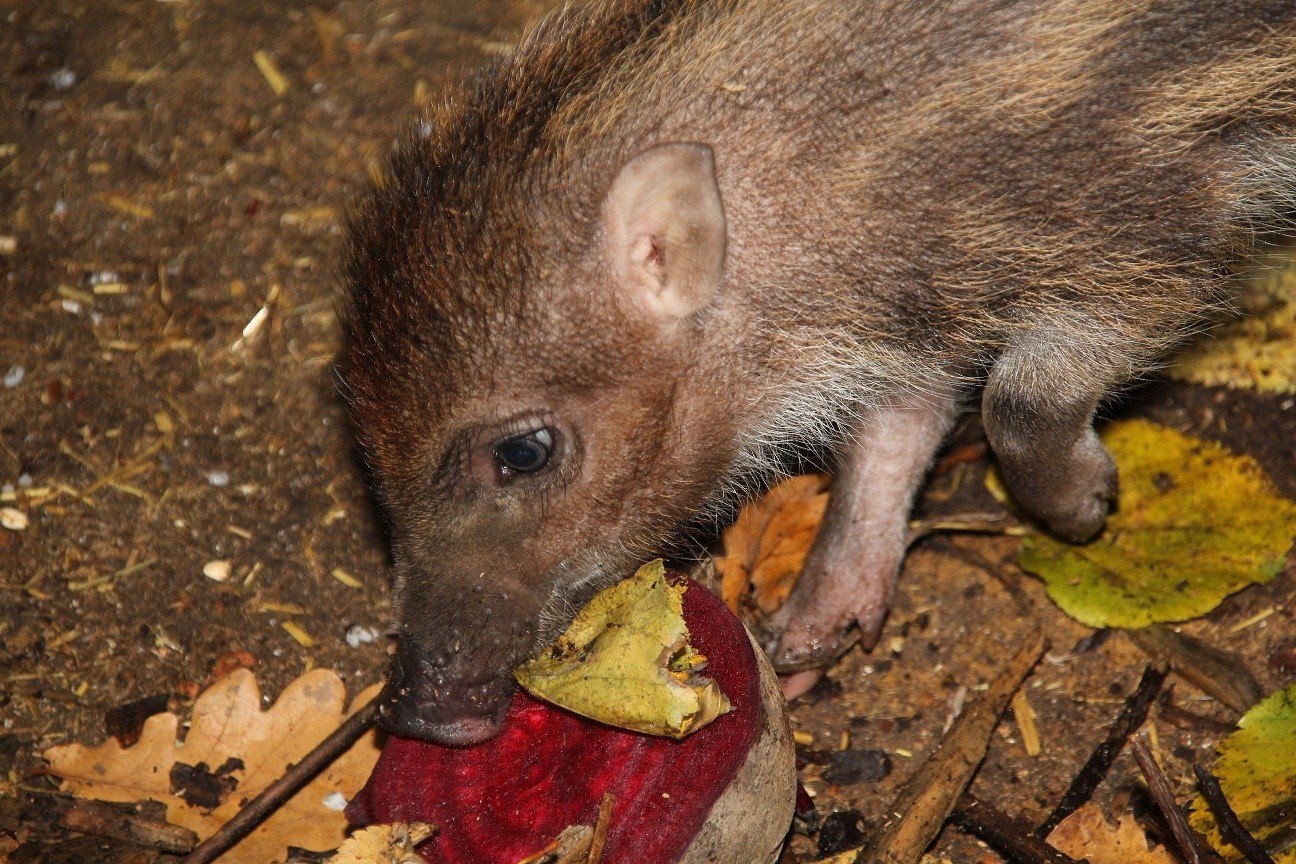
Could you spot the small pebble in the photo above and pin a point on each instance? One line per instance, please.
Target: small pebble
(15, 376)
(335, 801)
(359, 634)
(857, 766)
(219, 478)
(25, 480)
(71, 306)
(217, 571)
(63, 79)
(13, 519)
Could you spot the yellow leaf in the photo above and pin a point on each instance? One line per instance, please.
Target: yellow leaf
(1258, 351)
(1195, 523)
(626, 661)
(1086, 834)
(384, 844)
(1257, 773)
(227, 723)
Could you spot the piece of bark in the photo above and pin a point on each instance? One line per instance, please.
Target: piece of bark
(1005, 834)
(1192, 846)
(922, 806)
(1214, 672)
(124, 722)
(1100, 761)
(105, 820)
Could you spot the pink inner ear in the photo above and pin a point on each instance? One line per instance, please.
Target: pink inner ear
(500, 801)
(665, 227)
(650, 254)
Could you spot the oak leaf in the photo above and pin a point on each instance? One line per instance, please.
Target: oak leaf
(1086, 834)
(231, 739)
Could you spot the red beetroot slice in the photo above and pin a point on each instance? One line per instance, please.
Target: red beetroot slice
(497, 802)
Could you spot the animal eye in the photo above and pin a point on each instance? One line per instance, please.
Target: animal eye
(524, 454)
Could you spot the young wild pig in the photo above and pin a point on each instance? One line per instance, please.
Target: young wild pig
(613, 276)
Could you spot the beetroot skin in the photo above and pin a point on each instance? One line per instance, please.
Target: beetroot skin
(499, 801)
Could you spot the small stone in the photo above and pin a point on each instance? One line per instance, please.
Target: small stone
(218, 570)
(63, 79)
(219, 479)
(335, 801)
(13, 518)
(359, 634)
(857, 766)
(14, 377)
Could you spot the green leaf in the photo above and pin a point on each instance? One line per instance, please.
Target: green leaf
(625, 661)
(1195, 523)
(1257, 773)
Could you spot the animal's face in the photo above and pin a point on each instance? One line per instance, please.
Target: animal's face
(536, 448)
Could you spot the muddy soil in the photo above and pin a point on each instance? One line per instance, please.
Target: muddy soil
(170, 428)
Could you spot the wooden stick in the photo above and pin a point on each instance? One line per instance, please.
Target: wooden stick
(105, 820)
(260, 807)
(1215, 672)
(1231, 826)
(923, 805)
(1194, 849)
(1100, 761)
(1006, 834)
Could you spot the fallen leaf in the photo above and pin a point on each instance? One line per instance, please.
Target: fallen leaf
(626, 661)
(1086, 834)
(1256, 770)
(767, 545)
(1195, 523)
(384, 844)
(231, 737)
(1255, 352)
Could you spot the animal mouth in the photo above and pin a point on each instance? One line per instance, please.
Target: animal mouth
(422, 701)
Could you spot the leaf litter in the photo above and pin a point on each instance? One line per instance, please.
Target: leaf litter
(245, 748)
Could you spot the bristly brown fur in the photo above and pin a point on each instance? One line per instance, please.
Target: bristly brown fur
(878, 206)
(911, 186)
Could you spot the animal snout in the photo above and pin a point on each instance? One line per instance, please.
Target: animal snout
(432, 696)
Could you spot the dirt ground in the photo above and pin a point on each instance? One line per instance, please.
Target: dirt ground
(156, 194)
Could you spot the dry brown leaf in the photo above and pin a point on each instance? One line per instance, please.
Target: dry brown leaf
(1087, 834)
(228, 723)
(767, 546)
(384, 844)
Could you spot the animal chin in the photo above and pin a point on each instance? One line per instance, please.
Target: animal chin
(424, 703)
(461, 732)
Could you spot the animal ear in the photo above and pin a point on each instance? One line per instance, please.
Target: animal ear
(664, 227)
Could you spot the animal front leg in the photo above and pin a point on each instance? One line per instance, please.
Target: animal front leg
(849, 572)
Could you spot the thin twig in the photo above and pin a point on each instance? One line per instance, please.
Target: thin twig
(1005, 834)
(260, 807)
(922, 806)
(1100, 762)
(1209, 669)
(1231, 826)
(1194, 849)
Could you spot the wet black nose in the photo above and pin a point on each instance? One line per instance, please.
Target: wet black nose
(431, 699)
